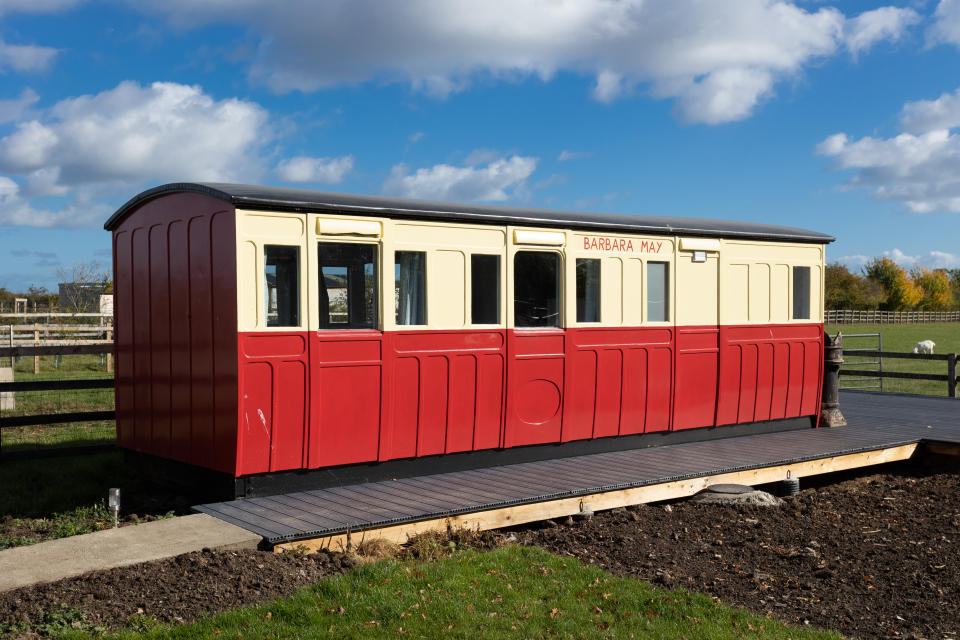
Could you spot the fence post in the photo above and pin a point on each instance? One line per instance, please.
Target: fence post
(952, 375)
(36, 341)
(110, 355)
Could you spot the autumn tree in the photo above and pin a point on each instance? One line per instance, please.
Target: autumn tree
(844, 289)
(934, 286)
(900, 292)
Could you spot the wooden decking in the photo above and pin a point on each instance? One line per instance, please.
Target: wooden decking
(882, 428)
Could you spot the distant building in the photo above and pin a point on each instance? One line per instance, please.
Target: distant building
(81, 297)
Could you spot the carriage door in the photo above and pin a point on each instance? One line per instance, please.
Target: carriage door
(698, 333)
(535, 338)
(345, 341)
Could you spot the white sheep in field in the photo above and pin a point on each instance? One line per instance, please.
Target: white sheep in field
(924, 346)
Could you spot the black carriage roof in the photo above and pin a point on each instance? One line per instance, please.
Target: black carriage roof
(304, 201)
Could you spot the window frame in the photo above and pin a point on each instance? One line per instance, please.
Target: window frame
(426, 289)
(560, 288)
(668, 289)
(376, 319)
(599, 289)
(298, 297)
(499, 289)
(808, 291)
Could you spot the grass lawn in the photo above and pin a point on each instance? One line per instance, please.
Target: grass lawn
(511, 592)
(45, 402)
(902, 338)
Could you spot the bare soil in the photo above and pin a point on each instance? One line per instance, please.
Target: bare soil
(870, 556)
(174, 590)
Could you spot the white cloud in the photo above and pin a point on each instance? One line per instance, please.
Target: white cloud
(929, 115)
(919, 171)
(494, 182)
(416, 136)
(609, 86)
(566, 156)
(871, 27)
(14, 109)
(946, 24)
(17, 210)
(25, 57)
(94, 150)
(322, 170)
(725, 95)
(481, 156)
(942, 259)
(932, 259)
(853, 262)
(131, 133)
(717, 58)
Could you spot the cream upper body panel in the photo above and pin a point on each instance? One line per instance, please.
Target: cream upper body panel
(255, 231)
(448, 249)
(757, 282)
(624, 261)
(704, 281)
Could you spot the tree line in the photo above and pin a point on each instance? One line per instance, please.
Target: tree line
(885, 285)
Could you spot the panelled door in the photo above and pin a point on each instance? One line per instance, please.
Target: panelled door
(536, 342)
(698, 333)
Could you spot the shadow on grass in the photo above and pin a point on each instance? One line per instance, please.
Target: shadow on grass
(42, 487)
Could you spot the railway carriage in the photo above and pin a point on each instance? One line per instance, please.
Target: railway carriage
(283, 337)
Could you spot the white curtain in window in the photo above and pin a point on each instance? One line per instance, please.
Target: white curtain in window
(412, 294)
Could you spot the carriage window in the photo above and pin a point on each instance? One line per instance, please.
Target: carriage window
(536, 289)
(410, 277)
(282, 295)
(588, 290)
(801, 293)
(348, 285)
(485, 289)
(658, 291)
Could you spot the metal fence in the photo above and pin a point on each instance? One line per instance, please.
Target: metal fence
(854, 356)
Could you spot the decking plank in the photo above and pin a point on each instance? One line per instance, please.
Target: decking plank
(876, 422)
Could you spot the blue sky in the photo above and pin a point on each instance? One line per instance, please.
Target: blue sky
(838, 117)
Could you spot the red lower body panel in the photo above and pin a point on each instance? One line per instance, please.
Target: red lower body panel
(310, 400)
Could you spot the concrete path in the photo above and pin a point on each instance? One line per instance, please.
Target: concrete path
(68, 557)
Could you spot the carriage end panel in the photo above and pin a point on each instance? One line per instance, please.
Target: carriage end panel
(176, 345)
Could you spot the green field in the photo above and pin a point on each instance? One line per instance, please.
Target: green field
(902, 338)
(46, 402)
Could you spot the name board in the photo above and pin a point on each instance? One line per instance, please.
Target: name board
(624, 245)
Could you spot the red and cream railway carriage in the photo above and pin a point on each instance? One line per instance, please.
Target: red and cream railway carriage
(263, 330)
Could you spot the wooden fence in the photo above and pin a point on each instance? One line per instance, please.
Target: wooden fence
(56, 385)
(59, 335)
(854, 316)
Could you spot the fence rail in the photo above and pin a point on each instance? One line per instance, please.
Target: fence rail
(873, 316)
(56, 385)
(950, 358)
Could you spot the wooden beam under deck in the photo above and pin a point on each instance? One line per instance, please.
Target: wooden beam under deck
(521, 514)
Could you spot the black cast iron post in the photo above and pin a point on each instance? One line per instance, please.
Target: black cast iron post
(830, 415)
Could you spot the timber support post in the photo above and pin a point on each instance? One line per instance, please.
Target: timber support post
(830, 415)
(952, 375)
